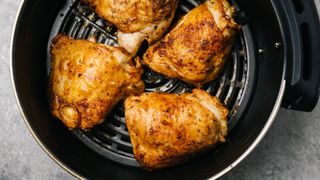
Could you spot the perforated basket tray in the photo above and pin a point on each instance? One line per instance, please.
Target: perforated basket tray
(111, 138)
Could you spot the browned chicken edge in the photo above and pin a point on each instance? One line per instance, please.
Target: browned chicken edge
(196, 49)
(167, 129)
(88, 79)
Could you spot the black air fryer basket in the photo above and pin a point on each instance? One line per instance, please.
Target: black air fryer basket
(274, 62)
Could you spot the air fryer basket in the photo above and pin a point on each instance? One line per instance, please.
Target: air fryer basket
(111, 138)
(252, 86)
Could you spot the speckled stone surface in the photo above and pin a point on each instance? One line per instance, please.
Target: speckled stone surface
(290, 150)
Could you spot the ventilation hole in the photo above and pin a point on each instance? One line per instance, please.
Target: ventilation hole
(74, 28)
(87, 33)
(125, 138)
(68, 23)
(298, 4)
(306, 37)
(225, 93)
(102, 138)
(102, 38)
(240, 68)
(105, 131)
(96, 139)
(107, 143)
(115, 122)
(229, 69)
(215, 88)
(126, 149)
(234, 98)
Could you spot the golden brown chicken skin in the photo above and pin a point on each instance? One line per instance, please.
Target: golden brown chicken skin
(88, 79)
(166, 128)
(136, 20)
(196, 49)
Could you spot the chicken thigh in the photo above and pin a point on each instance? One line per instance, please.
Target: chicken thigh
(136, 20)
(166, 128)
(88, 79)
(196, 49)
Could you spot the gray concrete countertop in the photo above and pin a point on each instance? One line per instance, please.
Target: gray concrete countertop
(290, 150)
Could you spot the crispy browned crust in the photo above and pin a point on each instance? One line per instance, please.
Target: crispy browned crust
(197, 48)
(133, 15)
(87, 79)
(166, 128)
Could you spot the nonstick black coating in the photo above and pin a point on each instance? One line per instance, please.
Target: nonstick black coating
(30, 79)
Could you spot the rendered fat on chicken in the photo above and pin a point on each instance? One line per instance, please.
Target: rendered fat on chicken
(198, 46)
(88, 79)
(136, 20)
(166, 128)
